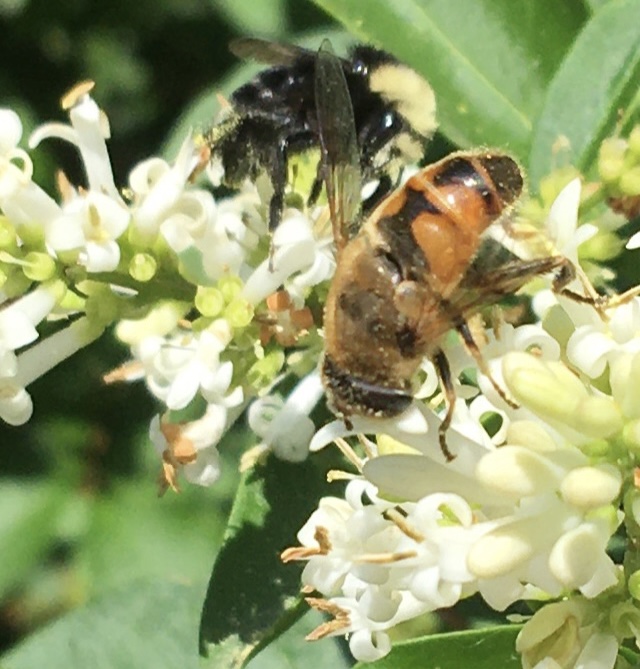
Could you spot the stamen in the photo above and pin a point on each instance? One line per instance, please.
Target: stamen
(349, 453)
(401, 523)
(341, 619)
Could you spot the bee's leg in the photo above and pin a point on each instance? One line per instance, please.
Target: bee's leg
(443, 370)
(316, 186)
(278, 166)
(278, 174)
(472, 346)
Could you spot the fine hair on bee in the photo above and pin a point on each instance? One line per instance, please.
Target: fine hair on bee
(275, 116)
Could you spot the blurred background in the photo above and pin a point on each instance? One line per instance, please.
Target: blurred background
(79, 515)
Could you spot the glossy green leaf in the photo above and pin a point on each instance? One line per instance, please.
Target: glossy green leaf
(142, 625)
(599, 79)
(266, 17)
(489, 61)
(292, 651)
(253, 597)
(481, 649)
(29, 523)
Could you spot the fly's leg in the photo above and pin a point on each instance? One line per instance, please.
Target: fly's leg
(443, 370)
(472, 346)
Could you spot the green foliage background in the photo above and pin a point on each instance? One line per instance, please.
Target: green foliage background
(94, 570)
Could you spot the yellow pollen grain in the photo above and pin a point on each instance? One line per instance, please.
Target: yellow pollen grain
(74, 95)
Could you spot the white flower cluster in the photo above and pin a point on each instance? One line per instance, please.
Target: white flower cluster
(146, 259)
(523, 513)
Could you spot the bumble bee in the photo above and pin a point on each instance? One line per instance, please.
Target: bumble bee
(420, 265)
(274, 117)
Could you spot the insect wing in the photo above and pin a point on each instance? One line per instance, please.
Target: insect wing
(479, 289)
(270, 53)
(338, 142)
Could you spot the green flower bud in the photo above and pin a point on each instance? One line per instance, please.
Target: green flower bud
(634, 142)
(143, 267)
(39, 266)
(209, 301)
(630, 181)
(230, 287)
(611, 159)
(262, 372)
(634, 584)
(239, 313)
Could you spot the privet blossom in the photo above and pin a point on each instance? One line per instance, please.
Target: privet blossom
(524, 511)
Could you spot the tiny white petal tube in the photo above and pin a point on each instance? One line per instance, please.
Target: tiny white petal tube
(89, 124)
(16, 405)
(49, 352)
(18, 320)
(10, 131)
(368, 646)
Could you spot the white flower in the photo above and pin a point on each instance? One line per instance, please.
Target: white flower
(90, 223)
(190, 447)
(88, 131)
(16, 373)
(300, 260)
(185, 363)
(19, 319)
(564, 635)
(285, 427)
(591, 347)
(22, 201)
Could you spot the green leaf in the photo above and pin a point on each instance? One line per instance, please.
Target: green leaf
(291, 649)
(29, 524)
(489, 61)
(481, 649)
(253, 597)
(599, 78)
(133, 534)
(267, 17)
(142, 625)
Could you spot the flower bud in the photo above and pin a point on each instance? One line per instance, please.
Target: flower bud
(239, 313)
(532, 435)
(517, 471)
(209, 301)
(500, 551)
(591, 487)
(551, 633)
(230, 287)
(630, 181)
(611, 159)
(634, 142)
(143, 267)
(39, 266)
(553, 392)
(597, 416)
(547, 388)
